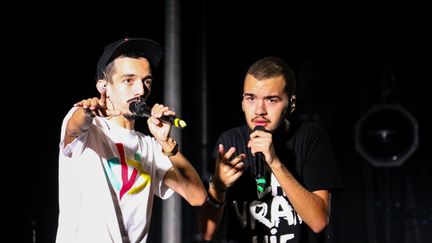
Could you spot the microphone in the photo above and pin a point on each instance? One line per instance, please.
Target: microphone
(141, 109)
(260, 176)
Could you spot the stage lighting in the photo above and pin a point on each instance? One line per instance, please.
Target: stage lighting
(386, 135)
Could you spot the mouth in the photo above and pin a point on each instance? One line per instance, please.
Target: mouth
(260, 121)
(135, 99)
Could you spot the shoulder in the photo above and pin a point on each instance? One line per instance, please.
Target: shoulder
(310, 133)
(310, 128)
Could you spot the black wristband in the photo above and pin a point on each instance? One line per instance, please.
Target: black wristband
(214, 203)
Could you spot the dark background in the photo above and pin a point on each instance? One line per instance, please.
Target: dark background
(349, 57)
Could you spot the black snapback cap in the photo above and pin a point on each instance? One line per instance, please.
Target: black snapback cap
(151, 50)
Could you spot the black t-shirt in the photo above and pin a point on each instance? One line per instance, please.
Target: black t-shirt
(306, 151)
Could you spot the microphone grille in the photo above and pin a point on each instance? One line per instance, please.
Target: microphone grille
(136, 106)
(132, 106)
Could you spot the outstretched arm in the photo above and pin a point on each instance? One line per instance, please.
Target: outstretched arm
(81, 119)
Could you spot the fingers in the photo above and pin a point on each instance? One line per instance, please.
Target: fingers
(236, 163)
(230, 170)
(259, 141)
(80, 103)
(97, 106)
(220, 153)
(233, 166)
(228, 154)
(260, 135)
(102, 100)
(88, 104)
(236, 175)
(159, 110)
(154, 120)
(225, 158)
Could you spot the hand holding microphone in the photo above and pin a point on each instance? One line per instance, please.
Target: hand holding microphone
(260, 175)
(141, 109)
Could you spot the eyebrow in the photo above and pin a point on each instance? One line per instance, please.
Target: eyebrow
(265, 97)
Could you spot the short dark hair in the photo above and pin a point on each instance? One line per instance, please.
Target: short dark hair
(269, 67)
(109, 68)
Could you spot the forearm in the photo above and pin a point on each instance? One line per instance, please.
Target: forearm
(79, 122)
(313, 209)
(188, 180)
(211, 213)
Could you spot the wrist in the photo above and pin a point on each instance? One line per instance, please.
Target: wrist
(170, 147)
(276, 165)
(214, 203)
(88, 113)
(217, 185)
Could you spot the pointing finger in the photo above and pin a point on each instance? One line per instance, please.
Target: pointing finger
(229, 153)
(102, 100)
(220, 152)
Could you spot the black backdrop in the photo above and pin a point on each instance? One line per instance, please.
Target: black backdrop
(348, 58)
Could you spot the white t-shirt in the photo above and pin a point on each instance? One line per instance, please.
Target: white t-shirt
(135, 166)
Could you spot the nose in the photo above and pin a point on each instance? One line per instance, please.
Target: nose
(260, 108)
(139, 89)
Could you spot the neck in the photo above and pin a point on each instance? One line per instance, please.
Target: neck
(123, 122)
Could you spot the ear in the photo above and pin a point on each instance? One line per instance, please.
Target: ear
(292, 103)
(243, 106)
(101, 85)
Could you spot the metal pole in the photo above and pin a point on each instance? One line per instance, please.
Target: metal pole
(171, 208)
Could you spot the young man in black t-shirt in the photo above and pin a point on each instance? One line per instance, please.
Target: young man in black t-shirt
(273, 177)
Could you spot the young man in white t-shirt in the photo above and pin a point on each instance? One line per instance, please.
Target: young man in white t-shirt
(108, 172)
